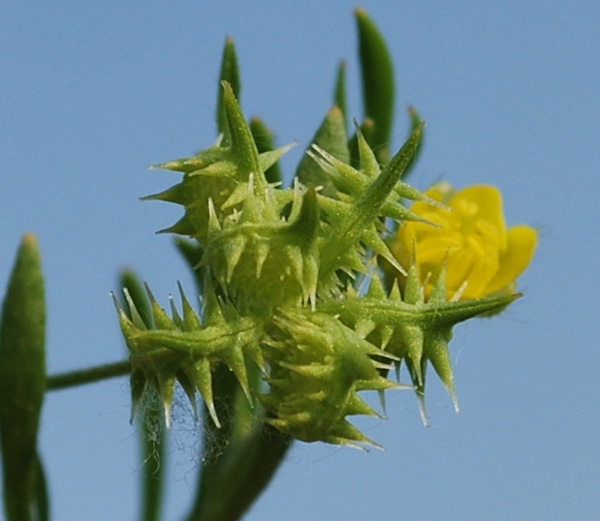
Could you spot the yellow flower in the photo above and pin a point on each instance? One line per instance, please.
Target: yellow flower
(483, 256)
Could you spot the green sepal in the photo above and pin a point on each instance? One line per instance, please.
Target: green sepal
(22, 380)
(377, 75)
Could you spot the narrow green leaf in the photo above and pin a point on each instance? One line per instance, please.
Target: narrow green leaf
(339, 96)
(231, 74)
(265, 143)
(367, 129)
(41, 501)
(191, 252)
(378, 82)
(415, 122)
(331, 137)
(397, 166)
(22, 379)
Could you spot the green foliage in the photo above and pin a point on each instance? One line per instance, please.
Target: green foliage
(377, 74)
(22, 385)
(280, 267)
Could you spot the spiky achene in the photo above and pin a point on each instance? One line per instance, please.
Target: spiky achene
(318, 365)
(182, 349)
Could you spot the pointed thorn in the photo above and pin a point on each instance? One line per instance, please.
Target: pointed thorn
(167, 410)
(381, 394)
(213, 414)
(422, 408)
(454, 398)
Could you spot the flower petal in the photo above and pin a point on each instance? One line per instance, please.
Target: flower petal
(481, 203)
(470, 238)
(521, 244)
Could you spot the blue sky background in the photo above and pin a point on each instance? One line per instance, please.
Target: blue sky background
(93, 92)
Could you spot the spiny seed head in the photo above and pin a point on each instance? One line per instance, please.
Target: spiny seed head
(318, 365)
(282, 271)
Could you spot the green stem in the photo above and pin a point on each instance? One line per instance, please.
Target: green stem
(250, 475)
(87, 376)
(241, 478)
(153, 454)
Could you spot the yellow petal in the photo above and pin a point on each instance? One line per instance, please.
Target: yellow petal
(471, 239)
(521, 244)
(481, 203)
